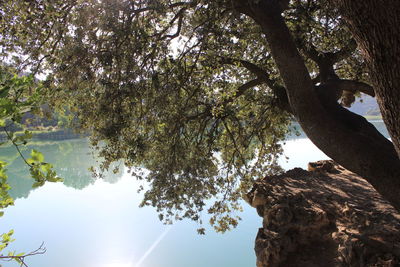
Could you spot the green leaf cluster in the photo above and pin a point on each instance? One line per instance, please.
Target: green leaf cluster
(5, 199)
(41, 171)
(6, 239)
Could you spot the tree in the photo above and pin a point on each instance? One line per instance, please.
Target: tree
(201, 92)
(358, 146)
(377, 35)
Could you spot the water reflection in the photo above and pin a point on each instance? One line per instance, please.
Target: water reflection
(101, 225)
(71, 159)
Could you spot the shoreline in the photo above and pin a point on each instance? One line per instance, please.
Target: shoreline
(46, 135)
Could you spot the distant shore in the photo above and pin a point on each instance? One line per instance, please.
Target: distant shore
(56, 134)
(373, 117)
(48, 134)
(368, 117)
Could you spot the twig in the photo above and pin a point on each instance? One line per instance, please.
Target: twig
(16, 146)
(38, 251)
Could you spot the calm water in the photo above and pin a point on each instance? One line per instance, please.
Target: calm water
(87, 222)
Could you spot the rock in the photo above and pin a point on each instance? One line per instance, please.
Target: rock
(327, 217)
(322, 166)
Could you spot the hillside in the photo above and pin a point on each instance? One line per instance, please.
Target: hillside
(366, 105)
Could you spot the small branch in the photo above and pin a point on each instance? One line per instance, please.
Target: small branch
(240, 91)
(16, 146)
(345, 52)
(234, 142)
(38, 251)
(253, 68)
(310, 51)
(263, 77)
(178, 4)
(179, 17)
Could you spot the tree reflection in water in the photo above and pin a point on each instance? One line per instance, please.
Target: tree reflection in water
(71, 159)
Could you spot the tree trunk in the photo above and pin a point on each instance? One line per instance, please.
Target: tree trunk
(375, 24)
(344, 136)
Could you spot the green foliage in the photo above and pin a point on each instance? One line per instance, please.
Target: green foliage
(13, 89)
(18, 95)
(317, 25)
(171, 86)
(5, 199)
(6, 240)
(41, 171)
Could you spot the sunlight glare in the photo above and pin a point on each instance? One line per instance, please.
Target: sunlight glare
(118, 264)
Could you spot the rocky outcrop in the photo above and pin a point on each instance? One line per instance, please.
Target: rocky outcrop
(327, 217)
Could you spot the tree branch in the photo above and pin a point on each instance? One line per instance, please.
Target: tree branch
(239, 92)
(21, 258)
(345, 52)
(179, 17)
(354, 86)
(253, 68)
(243, 88)
(344, 136)
(16, 146)
(324, 60)
(262, 75)
(150, 8)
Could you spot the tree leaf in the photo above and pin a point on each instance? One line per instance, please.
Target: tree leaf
(37, 156)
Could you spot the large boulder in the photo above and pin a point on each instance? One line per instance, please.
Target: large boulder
(326, 217)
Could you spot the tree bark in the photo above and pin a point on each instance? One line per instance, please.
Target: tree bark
(375, 26)
(347, 138)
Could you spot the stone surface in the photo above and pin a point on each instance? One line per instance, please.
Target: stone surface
(323, 218)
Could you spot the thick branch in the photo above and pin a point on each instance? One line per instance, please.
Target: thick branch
(354, 86)
(311, 51)
(344, 136)
(279, 91)
(325, 60)
(374, 25)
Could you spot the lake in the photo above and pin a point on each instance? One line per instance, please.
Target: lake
(87, 222)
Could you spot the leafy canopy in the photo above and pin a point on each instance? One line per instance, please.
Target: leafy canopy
(185, 89)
